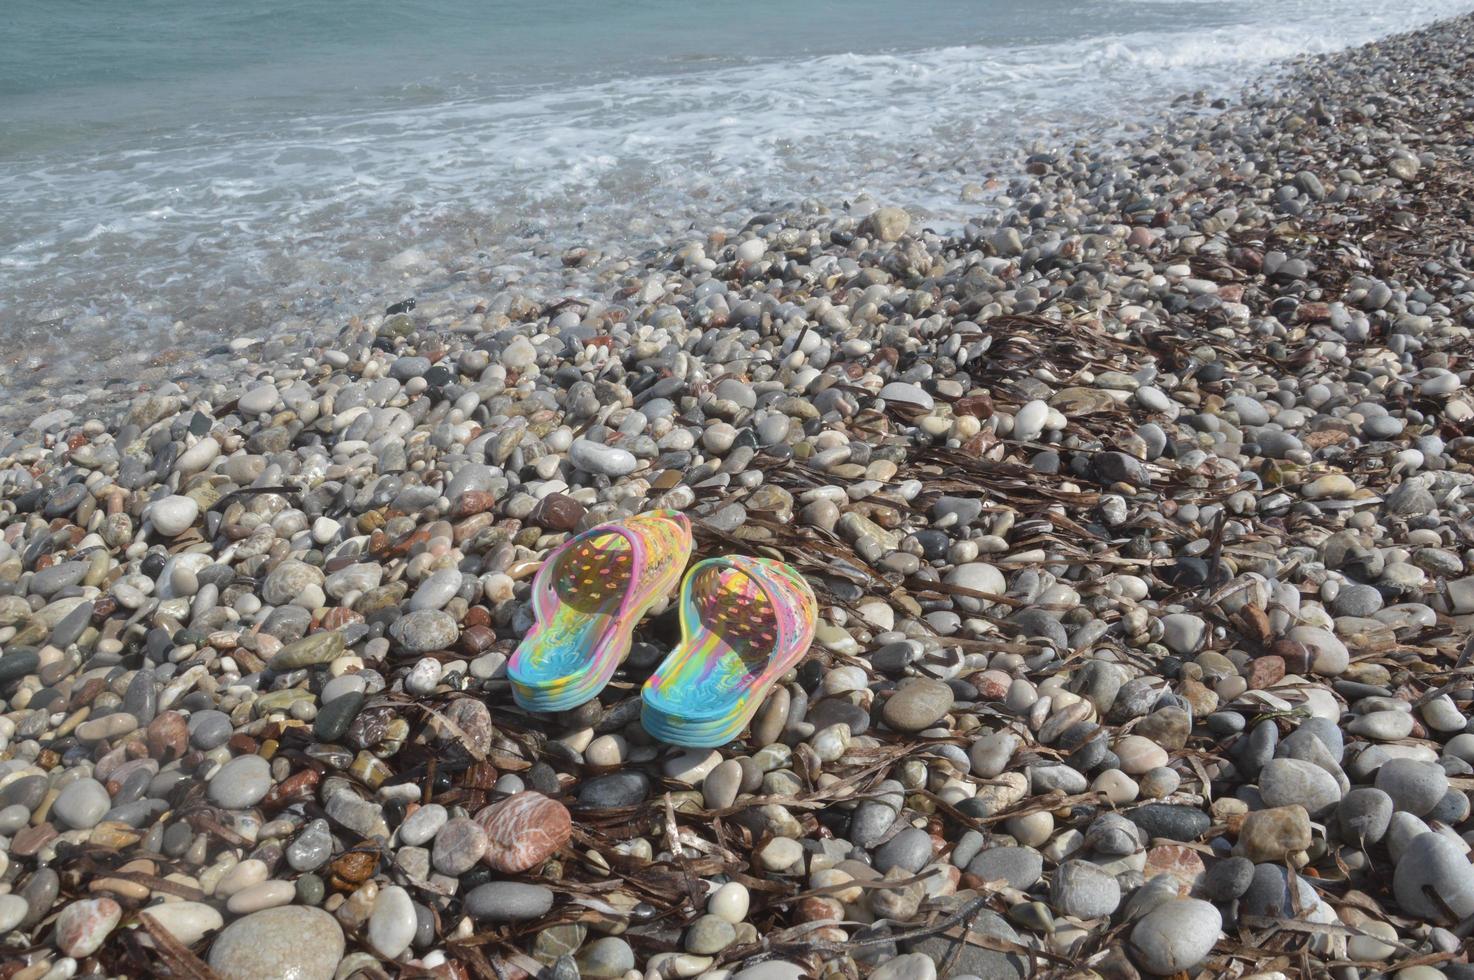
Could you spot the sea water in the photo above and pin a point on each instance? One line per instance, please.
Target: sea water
(178, 172)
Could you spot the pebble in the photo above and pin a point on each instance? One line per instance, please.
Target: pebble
(1083, 890)
(523, 831)
(1434, 865)
(296, 942)
(508, 901)
(84, 925)
(187, 922)
(917, 705)
(240, 783)
(173, 514)
(82, 804)
(1283, 782)
(1176, 935)
(391, 926)
(1414, 786)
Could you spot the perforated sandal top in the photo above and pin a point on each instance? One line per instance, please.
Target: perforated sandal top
(745, 622)
(587, 597)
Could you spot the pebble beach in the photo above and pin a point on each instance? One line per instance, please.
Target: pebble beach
(1138, 511)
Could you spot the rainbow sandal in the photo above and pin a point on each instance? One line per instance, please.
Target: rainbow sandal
(745, 622)
(586, 599)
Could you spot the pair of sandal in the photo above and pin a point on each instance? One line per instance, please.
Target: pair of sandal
(744, 623)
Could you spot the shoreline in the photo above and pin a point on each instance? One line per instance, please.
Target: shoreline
(1138, 514)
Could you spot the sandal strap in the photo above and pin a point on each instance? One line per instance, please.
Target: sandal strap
(792, 609)
(656, 538)
(544, 597)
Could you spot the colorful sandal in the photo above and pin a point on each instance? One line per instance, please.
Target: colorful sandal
(744, 623)
(586, 599)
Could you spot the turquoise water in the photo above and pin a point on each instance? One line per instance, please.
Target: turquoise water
(177, 171)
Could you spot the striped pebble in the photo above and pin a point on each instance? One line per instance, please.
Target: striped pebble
(523, 831)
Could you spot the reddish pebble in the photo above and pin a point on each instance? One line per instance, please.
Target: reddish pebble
(523, 831)
(1265, 672)
(472, 502)
(29, 840)
(168, 736)
(1181, 863)
(82, 926)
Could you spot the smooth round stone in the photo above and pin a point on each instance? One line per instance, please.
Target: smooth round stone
(310, 890)
(290, 581)
(523, 831)
(317, 648)
(1118, 787)
(606, 959)
(82, 804)
(990, 754)
(606, 751)
(1083, 890)
(1329, 656)
(1018, 867)
(731, 902)
(1183, 633)
(781, 853)
(245, 874)
(240, 783)
(174, 514)
(423, 824)
(907, 393)
(58, 577)
(312, 848)
(266, 895)
(1028, 423)
(262, 398)
(18, 664)
(458, 846)
(908, 966)
(289, 942)
(1228, 878)
(1364, 816)
(917, 705)
(690, 766)
(1415, 787)
(1370, 947)
(209, 729)
(1286, 781)
(1384, 726)
(27, 793)
(187, 922)
(1433, 863)
(1170, 821)
(391, 926)
(594, 457)
(708, 935)
(13, 909)
(1357, 600)
(508, 901)
(979, 577)
(84, 925)
(1176, 935)
(1139, 754)
(616, 789)
(336, 716)
(423, 677)
(425, 631)
(436, 590)
(910, 850)
(719, 789)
